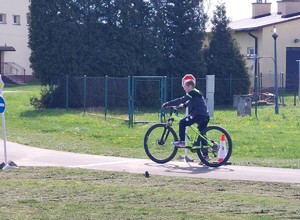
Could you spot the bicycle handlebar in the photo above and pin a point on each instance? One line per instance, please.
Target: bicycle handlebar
(173, 107)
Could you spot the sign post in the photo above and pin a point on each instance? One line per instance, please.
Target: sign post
(2, 109)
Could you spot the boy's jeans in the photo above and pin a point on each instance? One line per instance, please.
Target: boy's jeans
(202, 122)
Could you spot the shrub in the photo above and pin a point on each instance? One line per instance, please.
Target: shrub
(43, 101)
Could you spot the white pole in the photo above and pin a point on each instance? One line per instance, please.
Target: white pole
(7, 166)
(3, 125)
(186, 141)
(210, 93)
(4, 137)
(3, 121)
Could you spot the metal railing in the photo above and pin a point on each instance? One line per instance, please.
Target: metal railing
(12, 68)
(13, 71)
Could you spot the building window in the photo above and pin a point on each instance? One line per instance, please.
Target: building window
(2, 18)
(28, 18)
(16, 19)
(250, 52)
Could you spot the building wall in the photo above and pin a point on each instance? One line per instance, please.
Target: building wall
(287, 33)
(245, 41)
(15, 35)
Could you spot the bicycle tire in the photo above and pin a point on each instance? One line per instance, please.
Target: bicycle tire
(214, 133)
(158, 150)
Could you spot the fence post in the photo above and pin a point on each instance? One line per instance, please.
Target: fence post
(67, 92)
(256, 73)
(106, 94)
(282, 88)
(51, 92)
(130, 101)
(165, 88)
(230, 89)
(84, 93)
(260, 76)
(172, 87)
(163, 95)
(129, 97)
(256, 94)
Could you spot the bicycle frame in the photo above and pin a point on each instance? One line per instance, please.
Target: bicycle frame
(213, 145)
(175, 117)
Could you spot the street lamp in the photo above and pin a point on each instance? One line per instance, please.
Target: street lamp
(275, 69)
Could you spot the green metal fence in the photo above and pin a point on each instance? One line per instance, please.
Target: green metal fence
(125, 97)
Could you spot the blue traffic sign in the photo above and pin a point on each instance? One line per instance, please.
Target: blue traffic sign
(2, 104)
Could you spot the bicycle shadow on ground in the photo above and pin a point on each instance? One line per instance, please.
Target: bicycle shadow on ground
(189, 168)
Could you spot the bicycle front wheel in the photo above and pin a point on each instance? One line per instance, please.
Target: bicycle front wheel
(217, 148)
(157, 143)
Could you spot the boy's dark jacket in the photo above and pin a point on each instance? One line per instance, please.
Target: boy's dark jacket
(194, 100)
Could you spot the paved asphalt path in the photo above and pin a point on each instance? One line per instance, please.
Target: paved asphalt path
(30, 156)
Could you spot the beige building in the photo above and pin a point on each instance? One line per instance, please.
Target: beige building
(255, 36)
(14, 51)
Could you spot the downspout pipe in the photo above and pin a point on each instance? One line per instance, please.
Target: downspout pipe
(255, 70)
(255, 50)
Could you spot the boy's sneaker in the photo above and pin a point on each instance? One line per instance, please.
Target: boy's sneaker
(180, 144)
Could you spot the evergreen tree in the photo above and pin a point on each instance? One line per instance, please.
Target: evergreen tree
(183, 36)
(93, 38)
(136, 38)
(55, 36)
(116, 38)
(224, 60)
(41, 39)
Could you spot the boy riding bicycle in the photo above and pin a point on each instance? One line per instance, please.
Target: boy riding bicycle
(198, 112)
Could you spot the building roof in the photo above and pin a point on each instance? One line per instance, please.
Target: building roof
(252, 24)
(7, 48)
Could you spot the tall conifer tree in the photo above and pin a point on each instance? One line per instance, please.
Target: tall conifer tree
(183, 36)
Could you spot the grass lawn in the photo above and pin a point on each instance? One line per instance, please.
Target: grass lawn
(57, 193)
(65, 193)
(269, 140)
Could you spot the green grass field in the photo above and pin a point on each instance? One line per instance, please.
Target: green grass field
(57, 193)
(271, 140)
(65, 193)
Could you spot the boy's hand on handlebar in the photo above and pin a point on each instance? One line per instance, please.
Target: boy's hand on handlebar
(165, 105)
(180, 106)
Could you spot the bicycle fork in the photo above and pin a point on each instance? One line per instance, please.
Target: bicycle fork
(164, 136)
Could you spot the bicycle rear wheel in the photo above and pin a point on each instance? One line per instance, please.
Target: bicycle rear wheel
(220, 152)
(157, 143)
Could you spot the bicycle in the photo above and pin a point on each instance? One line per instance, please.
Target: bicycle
(159, 137)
